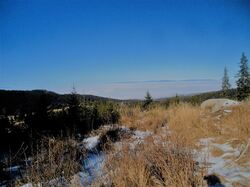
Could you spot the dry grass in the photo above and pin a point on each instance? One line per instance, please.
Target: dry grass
(183, 120)
(217, 152)
(187, 125)
(168, 161)
(237, 124)
(55, 160)
(190, 122)
(153, 164)
(151, 119)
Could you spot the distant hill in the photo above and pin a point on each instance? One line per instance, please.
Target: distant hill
(16, 101)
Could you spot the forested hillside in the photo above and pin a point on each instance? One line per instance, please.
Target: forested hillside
(14, 102)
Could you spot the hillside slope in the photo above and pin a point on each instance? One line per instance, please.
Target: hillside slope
(16, 101)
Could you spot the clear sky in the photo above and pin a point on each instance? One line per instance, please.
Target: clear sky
(116, 48)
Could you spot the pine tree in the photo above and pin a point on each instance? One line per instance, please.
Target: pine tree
(225, 82)
(176, 100)
(148, 100)
(243, 82)
(73, 111)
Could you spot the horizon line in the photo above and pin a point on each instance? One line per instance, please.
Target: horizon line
(164, 80)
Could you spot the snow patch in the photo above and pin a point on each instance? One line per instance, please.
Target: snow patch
(92, 168)
(230, 103)
(224, 164)
(227, 111)
(27, 185)
(91, 142)
(13, 169)
(141, 134)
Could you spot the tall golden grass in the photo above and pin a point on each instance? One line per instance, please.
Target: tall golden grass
(153, 164)
(191, 122)
(237, 124)
(187, 124)
(151, 119)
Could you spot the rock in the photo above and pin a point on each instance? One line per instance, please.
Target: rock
(216, 105)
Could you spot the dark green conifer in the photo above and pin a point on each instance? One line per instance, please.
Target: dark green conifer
(243, 82)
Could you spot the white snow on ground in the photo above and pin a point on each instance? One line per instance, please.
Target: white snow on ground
(91, 142)
(27, 185)
(138, 138)
(141, 134)
(227, 111)
(230, 103)
(224, 164)
(13, 169)
(93, 165)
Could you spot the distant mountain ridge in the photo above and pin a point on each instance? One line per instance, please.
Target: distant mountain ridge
(15, 101)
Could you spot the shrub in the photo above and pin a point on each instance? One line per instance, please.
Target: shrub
(54, 161)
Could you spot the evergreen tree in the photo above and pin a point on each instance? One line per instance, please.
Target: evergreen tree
(225, 82)
(243, 82)
(148, 100)
(176, 100)
(40, 121)
(73, 112)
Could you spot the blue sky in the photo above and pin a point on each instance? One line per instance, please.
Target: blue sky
(103, 47)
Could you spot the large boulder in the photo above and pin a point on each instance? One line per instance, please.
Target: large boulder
(216, 105)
